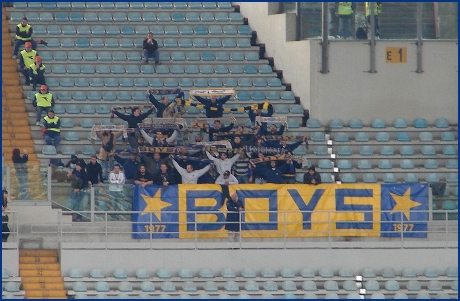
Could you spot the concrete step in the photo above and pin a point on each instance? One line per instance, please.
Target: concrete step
(43, 286)
(41, 253)
(40, 294)
(40, 266)
(37, 279)
(37, 259)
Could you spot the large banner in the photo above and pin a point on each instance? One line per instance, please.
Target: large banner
(272, 210)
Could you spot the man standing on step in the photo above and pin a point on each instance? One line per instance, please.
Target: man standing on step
(79, 184)
(24, 33)
(43, 101)
(150, 49)
(377, 11)
(26, 58)
(345, 13)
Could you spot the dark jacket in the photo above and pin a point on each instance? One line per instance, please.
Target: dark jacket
(223, 129)
(307, 178)
(81, 181)
(160, 177)
(150, 47)
(133, 120)
(94, 172)
(233, 215)
(218, 104)
(130, 166)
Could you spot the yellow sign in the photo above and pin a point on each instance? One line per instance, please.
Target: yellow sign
(396, 55)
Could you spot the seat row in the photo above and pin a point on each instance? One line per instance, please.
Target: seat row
(389, 151)
(382, 137)
(156, 82)
(81, 95)
(385, 177)
(47, 17)
(227, 43)
(377, 123)
(122, 5)
(122, 56)
(205, 69)
(365, 164)
(88, 109)
(267, 272)
(157, 30)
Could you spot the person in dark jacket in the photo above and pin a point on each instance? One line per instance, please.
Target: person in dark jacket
(79, 184)
(213, 106)
(130, 166)
(234, 209)
(165, 176)
(94, 171)
(150, 49)
(22, 173)
(258, 112)
(312, 177)
(5, 229)
(133, 119)
(218, 128)
(143, 177)
(37, 73)
(162, 104)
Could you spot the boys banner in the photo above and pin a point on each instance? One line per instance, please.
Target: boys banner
(273, 210)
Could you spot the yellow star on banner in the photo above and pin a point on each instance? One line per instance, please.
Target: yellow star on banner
(154, 204)
(403, 203)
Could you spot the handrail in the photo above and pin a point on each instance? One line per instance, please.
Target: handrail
(436, 20)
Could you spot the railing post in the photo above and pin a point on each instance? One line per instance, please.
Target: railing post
(48, 183)
(92, 202)
(8, 178)
(372, 37)
(419, 38)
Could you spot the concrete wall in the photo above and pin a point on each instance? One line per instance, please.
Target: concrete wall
(349, 90)
(174, 260)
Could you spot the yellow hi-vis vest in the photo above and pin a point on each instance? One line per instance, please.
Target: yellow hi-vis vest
(33, 67)
(54, 120)
(23, 29)
(344, 9)
(28, 57)
(44, 100)
(377, 8)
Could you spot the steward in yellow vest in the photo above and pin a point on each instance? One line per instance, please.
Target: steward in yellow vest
(24, 33)
(27, 58)
(43, 101)
(53, 129)
(37, 73)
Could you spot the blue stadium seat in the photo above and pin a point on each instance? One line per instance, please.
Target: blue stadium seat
(402, 137)
(406, 164)
(387, 150)
(428, 150)
(400, 123)
(67, 150)
(200, 82)
(449, 150)
(425, 136)
(320, 150)
(147, 286)
(221, 69)
(431, 164)
(325, 164)
(221, 17)
(259, 82)
(355, 123)
(254, 56)
(336, 123)
(67, 43)
(120, 17)
(296, 109)
(452, 178)
(341, 137)
(447, 136)
(178, 56)
(149, 17)
(83, 30)
(372, 285)
(72, 109)
(366, 150)
(369, 178)
(343, 150)
(362, 137)
(125, 286)
(378, 123)
(348, 178)
(382, 137)
(87, 123)
(389, 178)
(441, 123)
(344, 164)
(49, 150)
(406, 150)
(314, 136)
(411, 178)
(452, 163)
(364, 164)
(420, 123)
(385, 164)
(313, 123)
(432, 177)
(309, 285)
(59, 109)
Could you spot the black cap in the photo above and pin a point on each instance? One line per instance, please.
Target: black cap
(227, 173)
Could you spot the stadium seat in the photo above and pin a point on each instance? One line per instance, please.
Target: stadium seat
(355, 123)
(326, 178)
(168, 286)
(452, 163)
(231, 286)
(452, 178)
(67, 123)
(389, 178)
(387, 150)
(392, 285)
(344, 150)
(120, 273)
(71, 136)
(341, 137)
(125, 286)
(441, 123)
(79, 286)
(75, 273)
(431, 272)
(343, 164)
(364, 164)
(189, 286)
(325, 272)
(431, 164)
(366, 150)
(428, 150)
(350, 285)
(378, 123)
(320, 150)
(101, 286)
(406, 150)
(331, 285)
(388, 272)
(228, 273)
(370, 178)
(268, 273)
(420, 123)
(163, 273)
(452, 272)
(147, 286)
(368, 272)
(348, 178)
(309, 285)
(411, 178)
(336, 123)
(425, 137)
(313, 123)
(11, 287)
(406, 164)
(400, 123)
(248, 273)
(434, 285)
(185, 273)
(49, 150)
(210, 286)
(382, 137)
(402, 137)
(449, 150)
(97, 273)
(270, 286)
(432, 177)
(361, 137)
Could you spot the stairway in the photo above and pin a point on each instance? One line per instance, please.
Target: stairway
(16, 131)
(40, 273)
